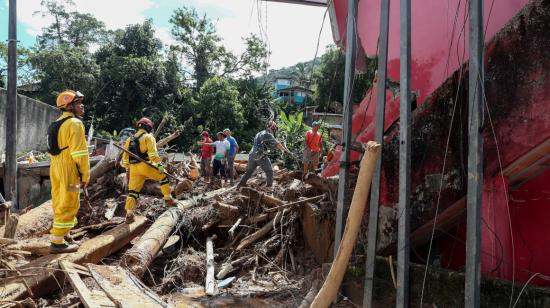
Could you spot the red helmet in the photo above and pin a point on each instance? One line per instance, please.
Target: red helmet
(145, 122)
(204, 134)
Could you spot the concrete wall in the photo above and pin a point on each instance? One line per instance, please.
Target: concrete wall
(33, 118)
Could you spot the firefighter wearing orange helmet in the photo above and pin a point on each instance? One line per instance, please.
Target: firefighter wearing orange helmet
(144, 145)
(69, 169)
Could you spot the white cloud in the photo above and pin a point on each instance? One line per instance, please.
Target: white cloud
(163, 33)
(114, 13)
(292, 30)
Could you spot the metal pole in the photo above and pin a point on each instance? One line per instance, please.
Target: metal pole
(10, 173)
(475, 155)
(343, 183)
(379, 137)
(403, 232)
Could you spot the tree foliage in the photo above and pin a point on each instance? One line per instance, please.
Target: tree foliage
(203, 51)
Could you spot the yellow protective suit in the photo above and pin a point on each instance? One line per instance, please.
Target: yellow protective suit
(139, 172)
(67, 170)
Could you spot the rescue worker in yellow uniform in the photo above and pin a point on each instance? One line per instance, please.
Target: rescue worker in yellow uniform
(69, 169)
(144, 145)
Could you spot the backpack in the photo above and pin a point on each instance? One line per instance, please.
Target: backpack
(53, 132)
(134, 148)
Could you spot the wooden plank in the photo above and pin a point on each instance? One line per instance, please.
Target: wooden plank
(210, 279)
(89, 299)
(528, 159)
(123, 288)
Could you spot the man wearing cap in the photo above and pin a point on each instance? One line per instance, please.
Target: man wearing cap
(313, 148)
(233, 150)
(206, 155)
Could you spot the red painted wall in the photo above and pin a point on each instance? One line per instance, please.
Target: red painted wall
(518, 93)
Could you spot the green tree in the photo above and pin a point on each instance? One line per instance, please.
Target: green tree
(217, 105)
(203, 53)
(328, 79)
(69, 28)
(63, 68)
(132, 81)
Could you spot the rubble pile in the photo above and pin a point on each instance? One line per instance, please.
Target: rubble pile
(238, 247)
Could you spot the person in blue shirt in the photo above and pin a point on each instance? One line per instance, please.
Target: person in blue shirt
(233, 150)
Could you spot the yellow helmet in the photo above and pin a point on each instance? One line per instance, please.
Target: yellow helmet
(68, 96)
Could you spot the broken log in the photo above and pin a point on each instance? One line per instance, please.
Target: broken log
(270, 201)
(161, 125)
(168, 139)
(252, 238)
(226, 212)
(11, 226)
(317, 181)
(34, 222)
(330, 287)
(295, 203)
(47, 269)
(139, 258)
(210, 286)
(103, 166)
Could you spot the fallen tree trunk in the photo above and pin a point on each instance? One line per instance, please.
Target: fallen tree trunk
(102, 167)
(317, 181)
(138, 258)
(47, 270)
(329, 290)
(270, 201)
(167, 140)
(34, 222)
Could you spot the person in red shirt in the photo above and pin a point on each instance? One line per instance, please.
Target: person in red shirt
(206, 156)
(313, 148)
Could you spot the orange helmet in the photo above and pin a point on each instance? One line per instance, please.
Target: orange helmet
(68, 96)
(145, 122)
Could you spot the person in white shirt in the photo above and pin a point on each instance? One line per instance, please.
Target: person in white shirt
(220, 155)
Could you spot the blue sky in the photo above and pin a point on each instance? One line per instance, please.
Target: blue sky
(292, 30)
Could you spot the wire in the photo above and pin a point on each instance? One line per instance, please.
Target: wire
(524, 286)
(455, 103)
(319, 41)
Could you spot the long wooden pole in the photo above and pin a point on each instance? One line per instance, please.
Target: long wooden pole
(332, 283)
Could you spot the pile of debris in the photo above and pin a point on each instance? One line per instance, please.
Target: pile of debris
(220, 245)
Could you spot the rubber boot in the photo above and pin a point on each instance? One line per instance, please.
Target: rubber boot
(63, 248)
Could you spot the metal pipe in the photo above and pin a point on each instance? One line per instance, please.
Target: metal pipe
(475, 156)
(343, 183)
(403, 232)
(378, 137)
(10, 170)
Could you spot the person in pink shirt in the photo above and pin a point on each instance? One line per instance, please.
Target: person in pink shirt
(313, 148)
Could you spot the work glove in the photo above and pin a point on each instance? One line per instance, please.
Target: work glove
(161, 168)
